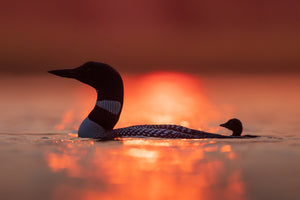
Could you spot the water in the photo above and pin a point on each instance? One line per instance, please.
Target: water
(41, 157)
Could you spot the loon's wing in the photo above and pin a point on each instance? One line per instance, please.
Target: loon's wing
(250, 136)
(181, 129)
(163, 131)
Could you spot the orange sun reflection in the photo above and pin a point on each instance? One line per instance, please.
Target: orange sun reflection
(146, 169)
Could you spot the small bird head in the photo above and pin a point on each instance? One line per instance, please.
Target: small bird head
(100, 76)
(235, 125)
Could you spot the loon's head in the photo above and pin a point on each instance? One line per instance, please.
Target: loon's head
(100, 76)
(235, 125)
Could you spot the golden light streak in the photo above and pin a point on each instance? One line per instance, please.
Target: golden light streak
(151, 156)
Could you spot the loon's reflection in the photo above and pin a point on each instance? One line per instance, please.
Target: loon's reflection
(146, 169)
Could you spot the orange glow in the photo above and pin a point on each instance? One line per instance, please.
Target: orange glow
(229, 153)
(237, 187)
(84, 103)
(72, 134)
(67, 119)
(226, 148)
(166, 98)
(60, 162)
(145, 169)
(142, 153)
(211, 149)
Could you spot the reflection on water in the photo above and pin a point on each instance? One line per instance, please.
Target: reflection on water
(147, 169)
(66, 167)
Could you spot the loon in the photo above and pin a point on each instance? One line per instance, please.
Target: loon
(110, 93)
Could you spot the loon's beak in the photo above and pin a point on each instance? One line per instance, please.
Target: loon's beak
(67, 73)
(224, 125)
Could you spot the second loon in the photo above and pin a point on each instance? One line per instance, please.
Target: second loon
(110, 93)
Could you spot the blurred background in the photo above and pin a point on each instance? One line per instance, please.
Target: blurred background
(206, 36)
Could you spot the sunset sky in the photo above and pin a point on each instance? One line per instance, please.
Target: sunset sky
(208, 36)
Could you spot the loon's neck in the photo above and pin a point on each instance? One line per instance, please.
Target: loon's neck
(104, 116)
(107, 110)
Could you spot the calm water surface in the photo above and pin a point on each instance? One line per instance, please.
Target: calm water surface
(41, 157)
